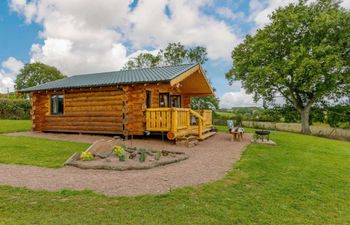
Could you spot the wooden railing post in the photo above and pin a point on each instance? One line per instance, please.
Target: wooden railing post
(173, 129)
(200, 128)
(188, 119)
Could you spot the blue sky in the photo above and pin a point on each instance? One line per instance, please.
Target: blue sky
(84, 36)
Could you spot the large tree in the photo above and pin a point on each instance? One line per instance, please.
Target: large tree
(303, 55)
(36, 73)
(176, 54)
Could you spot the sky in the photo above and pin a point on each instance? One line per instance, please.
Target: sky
(87, 36)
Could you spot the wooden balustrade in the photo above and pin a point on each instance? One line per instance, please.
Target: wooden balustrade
(175, 120)
(183, 118)
(158, 119)
(207, 115)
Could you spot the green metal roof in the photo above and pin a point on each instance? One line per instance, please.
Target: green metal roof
(146, 75)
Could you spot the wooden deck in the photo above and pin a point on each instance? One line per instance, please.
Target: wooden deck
(179, 122)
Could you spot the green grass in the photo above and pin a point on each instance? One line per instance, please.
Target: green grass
(37, 151)
(225, 115)
(7, 126)
(302, 180)
(223, 128)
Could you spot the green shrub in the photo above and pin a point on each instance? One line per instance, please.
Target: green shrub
(15, 109)
(86, 156)
(142, 156)
(120, 152)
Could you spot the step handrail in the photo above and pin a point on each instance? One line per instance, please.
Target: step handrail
(200, 123)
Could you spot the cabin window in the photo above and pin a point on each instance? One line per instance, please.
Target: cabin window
(57, 104)
(148, 99)
(164, 100)
(176, 101)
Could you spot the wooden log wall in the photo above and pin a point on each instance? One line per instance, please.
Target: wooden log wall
(98, 110)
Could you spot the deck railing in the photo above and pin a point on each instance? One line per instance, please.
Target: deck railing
(158, 119)
(208, 117)
(176, 119)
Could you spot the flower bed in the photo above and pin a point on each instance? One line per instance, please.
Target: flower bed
(125, 158)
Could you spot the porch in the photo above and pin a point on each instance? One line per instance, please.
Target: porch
(179, 122)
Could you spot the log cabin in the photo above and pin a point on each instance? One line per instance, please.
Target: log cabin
(126, 102)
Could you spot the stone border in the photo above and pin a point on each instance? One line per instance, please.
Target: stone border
(74, 160)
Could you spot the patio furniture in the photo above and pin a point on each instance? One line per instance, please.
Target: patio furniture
(237, 134)
(262, 134)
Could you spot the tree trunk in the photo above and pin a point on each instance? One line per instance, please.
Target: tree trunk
(305, 124)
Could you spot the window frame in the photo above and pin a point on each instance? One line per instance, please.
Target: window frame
(54, 99)
(149, 101)
(168, 103)
(180, 101)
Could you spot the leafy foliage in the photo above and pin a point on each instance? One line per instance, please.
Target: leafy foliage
(339, 116)
(36, 73)
(303, 55)
(208, 102)
(173, 54)
(15, 109)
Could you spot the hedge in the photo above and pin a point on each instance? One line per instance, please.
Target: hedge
(15, 109)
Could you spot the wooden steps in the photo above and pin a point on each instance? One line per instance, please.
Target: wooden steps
(207, 135)
(189, 141)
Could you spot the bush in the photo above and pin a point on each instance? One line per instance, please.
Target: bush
(15, 109)
(120, 152)
(86, 156)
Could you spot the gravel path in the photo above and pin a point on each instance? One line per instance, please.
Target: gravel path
(208, 161)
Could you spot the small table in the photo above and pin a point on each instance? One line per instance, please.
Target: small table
(236, 135)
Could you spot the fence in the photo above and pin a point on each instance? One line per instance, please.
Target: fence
(336, 133)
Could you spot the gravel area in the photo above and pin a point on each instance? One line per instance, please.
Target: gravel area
(207, 162)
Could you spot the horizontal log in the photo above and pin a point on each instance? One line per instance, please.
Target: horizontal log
(85, 119)
(93, 108)
(80, 124)
(81, 131)
(91, 98)
(94, 113)
(83, 128)
(94, 93)
(92, 103)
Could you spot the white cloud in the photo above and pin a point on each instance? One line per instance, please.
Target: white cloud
(83, 36)
(8, 72)
(236, 99)
(227, 13)
(186, 24)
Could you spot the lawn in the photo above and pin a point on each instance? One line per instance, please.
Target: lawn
(7, 126)
(36, 151)
(225, 115)
(33, 151)
(302, 180)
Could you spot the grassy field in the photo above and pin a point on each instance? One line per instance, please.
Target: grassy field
(7, 126)
(36, 151)
(33, 151)
(225, 115)
(302, 180)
